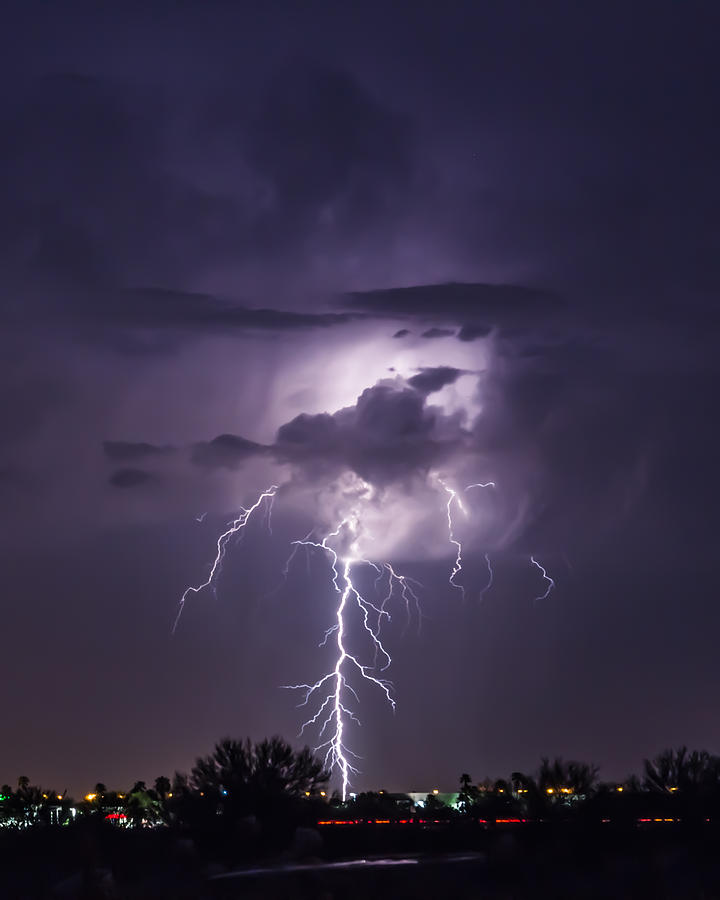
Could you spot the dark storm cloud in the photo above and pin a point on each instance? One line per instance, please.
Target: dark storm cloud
(336, 158)
(128, 451)
(160, 308)
(88, 198)
(131, 478)
(473, 332)
(433, 333)
(596, 438)
(429, 380)
(173, 311)
(390, 434)
(225, 451)
(96, 200)
(499, 304)
(403, 332)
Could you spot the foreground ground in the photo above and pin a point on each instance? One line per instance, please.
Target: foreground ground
(497, 864)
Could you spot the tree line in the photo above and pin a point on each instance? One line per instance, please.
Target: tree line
(239, 781)
(268, 788)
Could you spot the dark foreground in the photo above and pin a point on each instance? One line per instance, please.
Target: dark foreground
(545, 861)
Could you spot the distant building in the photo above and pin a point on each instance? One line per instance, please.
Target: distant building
(420, 798)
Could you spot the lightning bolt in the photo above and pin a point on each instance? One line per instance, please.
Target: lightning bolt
(490, 578)
(407, 593)
(305, 543)
(455, 497)
(334, 709)
(269, 512)
(234, 528)
(457, 567)
(333, 696)
(551, 583)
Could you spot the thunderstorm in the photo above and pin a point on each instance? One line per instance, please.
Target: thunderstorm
(333, 697)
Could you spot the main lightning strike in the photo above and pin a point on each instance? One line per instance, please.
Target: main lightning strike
(233, 529)
(335, 706)
(551, 583)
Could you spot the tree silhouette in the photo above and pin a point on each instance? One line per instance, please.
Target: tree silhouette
(469, 795)
(434, 806)
(269, 768)
(162, 787)
(561, 778)
(141, 807)
(678, 770)
(266, 780)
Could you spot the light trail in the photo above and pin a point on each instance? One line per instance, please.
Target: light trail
(551, 583)
(235, 527)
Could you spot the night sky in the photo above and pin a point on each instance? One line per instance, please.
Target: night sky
(353, 249)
